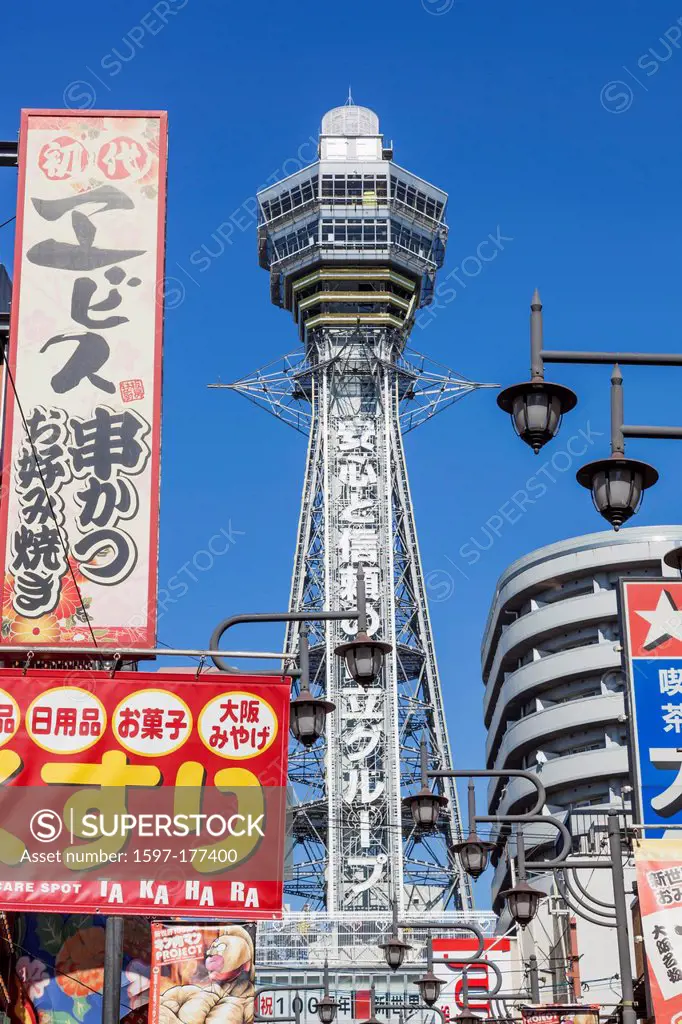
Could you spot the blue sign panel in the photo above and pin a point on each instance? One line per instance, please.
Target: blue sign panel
(652, 628)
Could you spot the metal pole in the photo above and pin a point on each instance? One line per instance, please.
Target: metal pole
(520, 855)
(616, 851)
(304, 656)
(314, 615)
(465, 990)
(361, 601)
(534, 978)
(113, 965)
(471, 794)
(617, 441)
(537, 370)
(626, 358)
(644, 430)
(424, 764)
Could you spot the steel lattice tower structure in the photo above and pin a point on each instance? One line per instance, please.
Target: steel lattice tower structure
(353, 243)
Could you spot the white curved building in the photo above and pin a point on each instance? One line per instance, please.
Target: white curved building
(551, 665)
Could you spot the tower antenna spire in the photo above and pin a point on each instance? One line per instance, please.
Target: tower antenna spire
(349, 101)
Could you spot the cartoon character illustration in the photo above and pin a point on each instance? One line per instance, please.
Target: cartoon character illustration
(228, 996)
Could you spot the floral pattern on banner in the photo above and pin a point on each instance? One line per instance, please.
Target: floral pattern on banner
(60, 969)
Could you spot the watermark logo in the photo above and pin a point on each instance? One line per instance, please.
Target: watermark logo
(617, 96)
(438, 6)
(46, 825)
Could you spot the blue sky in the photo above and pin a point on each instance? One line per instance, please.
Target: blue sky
(554, 125)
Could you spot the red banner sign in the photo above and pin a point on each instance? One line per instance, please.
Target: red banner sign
(659, 885)
(79, 521)
(145, 793)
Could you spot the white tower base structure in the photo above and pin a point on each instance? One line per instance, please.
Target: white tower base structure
(353, 243)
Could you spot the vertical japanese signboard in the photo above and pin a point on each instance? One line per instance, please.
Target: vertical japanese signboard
(652, 626)
(659, 886)
(201, 973)
(149, 793)
(79, 519)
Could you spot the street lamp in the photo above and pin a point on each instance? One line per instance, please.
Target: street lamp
(429, 988)
(308, 714)
(425, 808)
(522, 902)
(473, 852)
(308, 717)
(395, 951)
(326, 1009)
(522, 899)
(364, 656)
(429, 984)
(467, 1017)
(393, 947)
(674, 559)
(536, 406)
(617, 485)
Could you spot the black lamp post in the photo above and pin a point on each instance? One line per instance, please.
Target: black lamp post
(326, 1009)
(536, 406)
(394, 949)
(327, 1006)
(425, 808)
(364, 656)
(308, 714)
(473, 852)
(429, 984)
(522, 899)
(617, 483)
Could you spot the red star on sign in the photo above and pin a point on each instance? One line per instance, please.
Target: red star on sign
(653, 613)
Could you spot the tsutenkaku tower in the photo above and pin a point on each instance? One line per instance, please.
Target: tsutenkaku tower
(352, 244)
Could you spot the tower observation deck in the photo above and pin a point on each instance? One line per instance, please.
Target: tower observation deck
(353, 244)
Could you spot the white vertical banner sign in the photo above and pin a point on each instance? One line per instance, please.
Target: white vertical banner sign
(79, 515)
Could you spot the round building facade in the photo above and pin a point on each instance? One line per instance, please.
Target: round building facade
(551, 661)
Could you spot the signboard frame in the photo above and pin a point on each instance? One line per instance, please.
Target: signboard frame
(223, 757)
(144, 636)
(628, 664)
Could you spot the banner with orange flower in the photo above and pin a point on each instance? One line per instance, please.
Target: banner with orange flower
(80, 504)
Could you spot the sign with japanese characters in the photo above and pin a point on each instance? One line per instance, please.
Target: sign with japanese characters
(659, 885)
(79, 516)
(200, 972)
(561, 1013)
(362, 738)
(651, 613)
(145, 793)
